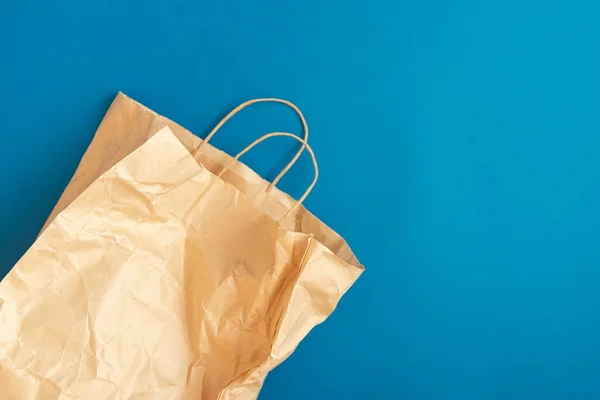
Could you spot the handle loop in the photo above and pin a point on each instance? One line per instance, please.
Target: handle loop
(274, 134)
(263, 100)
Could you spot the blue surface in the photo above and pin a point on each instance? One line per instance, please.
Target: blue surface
(458, 143)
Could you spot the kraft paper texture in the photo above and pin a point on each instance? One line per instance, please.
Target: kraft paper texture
(128, 124)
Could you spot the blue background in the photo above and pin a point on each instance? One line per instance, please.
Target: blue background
(458, 142)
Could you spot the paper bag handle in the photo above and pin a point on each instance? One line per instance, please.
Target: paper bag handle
(264, 100)
(274, 134)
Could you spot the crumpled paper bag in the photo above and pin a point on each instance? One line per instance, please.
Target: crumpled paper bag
(124, 295)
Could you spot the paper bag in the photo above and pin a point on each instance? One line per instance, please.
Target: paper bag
(128, 124)
(161, 281)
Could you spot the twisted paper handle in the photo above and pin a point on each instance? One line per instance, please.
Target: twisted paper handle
(274, 134)
(263, 100)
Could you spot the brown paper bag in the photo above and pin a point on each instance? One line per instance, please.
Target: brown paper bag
(128, 124)
(162, 281)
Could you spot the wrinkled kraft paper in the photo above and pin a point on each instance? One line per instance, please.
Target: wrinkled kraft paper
(162, 281)
(128, 124)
